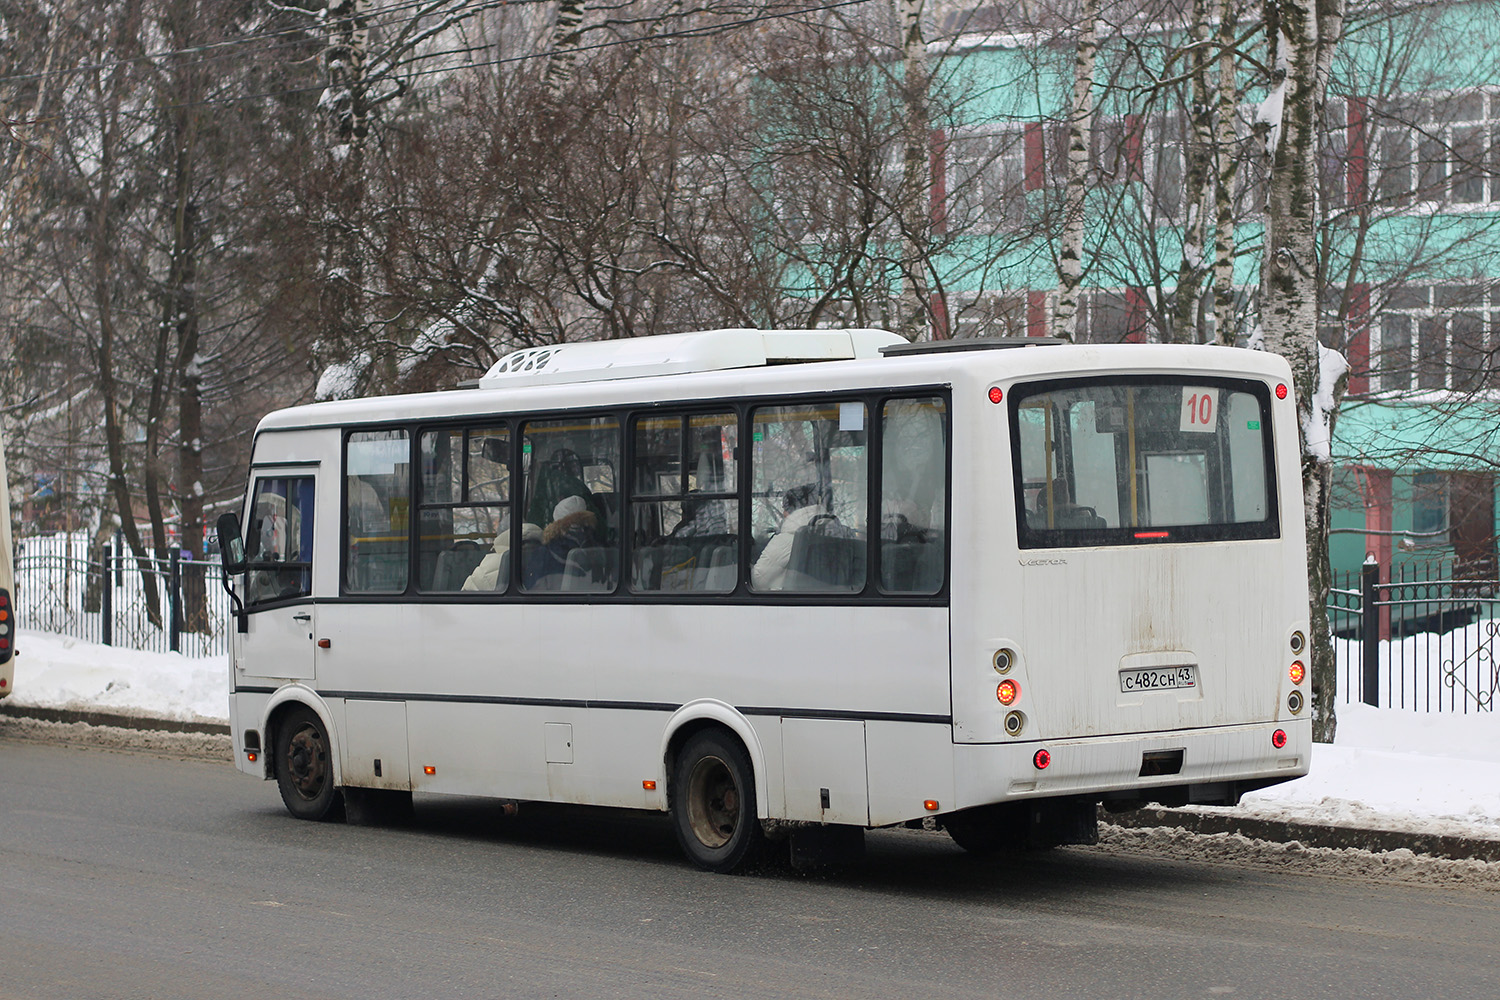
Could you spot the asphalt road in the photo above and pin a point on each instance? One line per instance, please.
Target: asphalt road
(130, 875)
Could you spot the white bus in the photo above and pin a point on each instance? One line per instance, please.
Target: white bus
(7, 585)
(987, 584)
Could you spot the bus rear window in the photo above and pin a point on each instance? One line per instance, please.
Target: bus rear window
(1116, 461)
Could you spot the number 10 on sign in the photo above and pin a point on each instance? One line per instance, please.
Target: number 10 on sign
(1200, 409)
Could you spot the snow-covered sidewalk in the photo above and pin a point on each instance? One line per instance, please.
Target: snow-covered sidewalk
(1390, 770)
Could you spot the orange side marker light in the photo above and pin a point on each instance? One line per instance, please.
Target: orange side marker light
(428, 769)
(649, 785)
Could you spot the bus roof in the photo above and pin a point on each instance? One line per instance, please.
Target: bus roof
(680, 353)
(868, 370)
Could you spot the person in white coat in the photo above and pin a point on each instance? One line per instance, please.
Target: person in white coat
(801, 509)
(487, 573)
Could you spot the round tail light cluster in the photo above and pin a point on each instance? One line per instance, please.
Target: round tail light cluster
(1278, 739)
(1041, 759)
(1294, 702)
(1008, 691)
(1297, 672)
(1014, 723)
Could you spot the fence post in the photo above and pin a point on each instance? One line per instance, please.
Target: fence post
(174, 599)
(120, 562)
(107, 600)
(1369, 632)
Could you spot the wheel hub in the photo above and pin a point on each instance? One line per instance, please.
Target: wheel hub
(713, 803)
(307, 762)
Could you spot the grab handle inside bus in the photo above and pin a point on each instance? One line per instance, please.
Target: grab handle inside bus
(232, 558)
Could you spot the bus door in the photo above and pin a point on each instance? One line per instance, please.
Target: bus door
(279, 609)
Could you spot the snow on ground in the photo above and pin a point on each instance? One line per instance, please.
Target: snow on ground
(58, 671)
(1391, 769)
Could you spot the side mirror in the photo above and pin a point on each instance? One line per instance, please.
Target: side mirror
(231, 543)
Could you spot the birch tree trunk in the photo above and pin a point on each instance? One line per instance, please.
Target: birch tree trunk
(1080, 127)
(1301, 37)
(567, 32)
(1226, 169)
(916, 170)
(1199, 162)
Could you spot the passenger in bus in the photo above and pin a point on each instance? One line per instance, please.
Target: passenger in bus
(573, 526)
(801, 506)
(702, 517)
(486, 575)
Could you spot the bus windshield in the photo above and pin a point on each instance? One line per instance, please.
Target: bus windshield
(1149, 459)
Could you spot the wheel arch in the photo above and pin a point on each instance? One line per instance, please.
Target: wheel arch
(707, 713)
(286, 699)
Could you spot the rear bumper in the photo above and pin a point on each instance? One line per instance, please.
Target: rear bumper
(1217, 763)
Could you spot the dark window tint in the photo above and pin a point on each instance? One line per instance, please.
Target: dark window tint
(465, 537)
(571, 469)
(1116, 461)
(684, 518)
(279, 543)
(377, 511)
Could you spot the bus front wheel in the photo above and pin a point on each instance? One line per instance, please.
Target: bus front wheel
(304, 767)
(713, 803)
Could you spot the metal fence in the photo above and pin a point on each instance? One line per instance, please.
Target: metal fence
(158, 604)
(1420, 636)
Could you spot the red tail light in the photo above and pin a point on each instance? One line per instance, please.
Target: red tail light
(1278, 739)
(7, 627)
(1041, 759)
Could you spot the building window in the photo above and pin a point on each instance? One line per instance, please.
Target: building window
(1437, 148)
(991, 314)
(987, 175)
(1437, 337)
(1429, 504)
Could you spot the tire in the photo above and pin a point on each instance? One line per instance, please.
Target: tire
(986, 830)
(304, 767)
(713, 803)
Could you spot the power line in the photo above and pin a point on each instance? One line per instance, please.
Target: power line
(695, 32)
(212, 48)
(546, 53)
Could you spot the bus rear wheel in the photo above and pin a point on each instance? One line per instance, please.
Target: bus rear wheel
(713, 803)
(304, 767)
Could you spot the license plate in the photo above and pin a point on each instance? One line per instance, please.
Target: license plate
(1158, 679)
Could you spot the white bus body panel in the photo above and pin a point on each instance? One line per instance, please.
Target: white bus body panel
(1078, 615)
(482, 682)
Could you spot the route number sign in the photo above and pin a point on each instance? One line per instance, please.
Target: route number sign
(1200, 409)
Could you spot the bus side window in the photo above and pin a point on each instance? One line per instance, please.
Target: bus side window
(377, 510)
(913, 496)
(809, 496)
(570, 484)
(279, 547)
(464, 510)
(684, 504)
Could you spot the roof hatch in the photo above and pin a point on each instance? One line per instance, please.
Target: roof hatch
(680, 353)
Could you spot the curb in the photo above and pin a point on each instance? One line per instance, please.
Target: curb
(8, 711)
(1312, 835)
